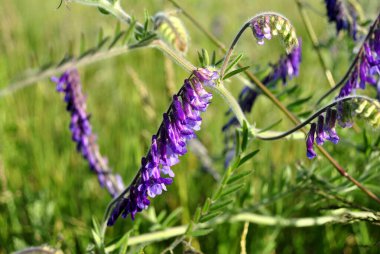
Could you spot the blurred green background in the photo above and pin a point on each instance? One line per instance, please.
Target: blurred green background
(48, 194)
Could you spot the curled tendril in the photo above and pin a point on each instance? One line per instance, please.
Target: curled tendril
(264, 26)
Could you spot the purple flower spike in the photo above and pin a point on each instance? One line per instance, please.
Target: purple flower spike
(367, 67)
(81, 132)
(344, 17)
(310, 141)
(179, 125)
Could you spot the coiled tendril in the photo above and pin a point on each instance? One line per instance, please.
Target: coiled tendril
(266, 25)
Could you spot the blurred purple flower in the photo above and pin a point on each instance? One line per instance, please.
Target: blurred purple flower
(367, 67)
(179, 125)
(80, 127)
(344, 17)
(286, 68)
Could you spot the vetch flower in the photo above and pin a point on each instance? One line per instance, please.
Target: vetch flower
(80, 127)
(344, 17)
(342, 112)
(324, 130)
(366, 69)
(179, 125)
(266, 25)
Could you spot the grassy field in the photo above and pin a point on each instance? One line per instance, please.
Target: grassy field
(48, 195)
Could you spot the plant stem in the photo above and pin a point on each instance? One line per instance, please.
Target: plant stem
(78, 62)
(181, 61)
(231, 49)
(314, 40)
(276, 102)
(227, 96)
(115, 9)
(338, 216)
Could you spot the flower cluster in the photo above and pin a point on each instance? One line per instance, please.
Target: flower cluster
(344, 18)
(80, 127)
(178, 126)
(324, 128)
(286, 68)
(367, 66)
(270, 24)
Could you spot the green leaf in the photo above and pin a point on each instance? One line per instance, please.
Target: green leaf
(206, 58)
(304, 114)
(213, 58)
(161, 216)
(236, 162)
(210, 216)
(97, 238)
(237, 148)
(121, 243)
(247, 157)
(206, 206)
(116, 39)
(200, 58)
(233, 63)
(287, 91)
(231, 189)
(197, 215)
(237, 71)
(298, 103)
(245, 133)
(95, 224)
(146, 40)
(129, 32)
(238, 176)
(102, 43)
(103, 11)
(173, 216)
(147, 20)
(220, 204)
(219, 62)
(201, 232)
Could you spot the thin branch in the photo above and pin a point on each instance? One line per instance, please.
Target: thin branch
(54, 70)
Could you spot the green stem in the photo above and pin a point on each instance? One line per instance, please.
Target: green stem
(338, 216)
(115, 9)
(231, 49)
(227, 96)
(314, 40)
(78, 62)
(184, 63)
